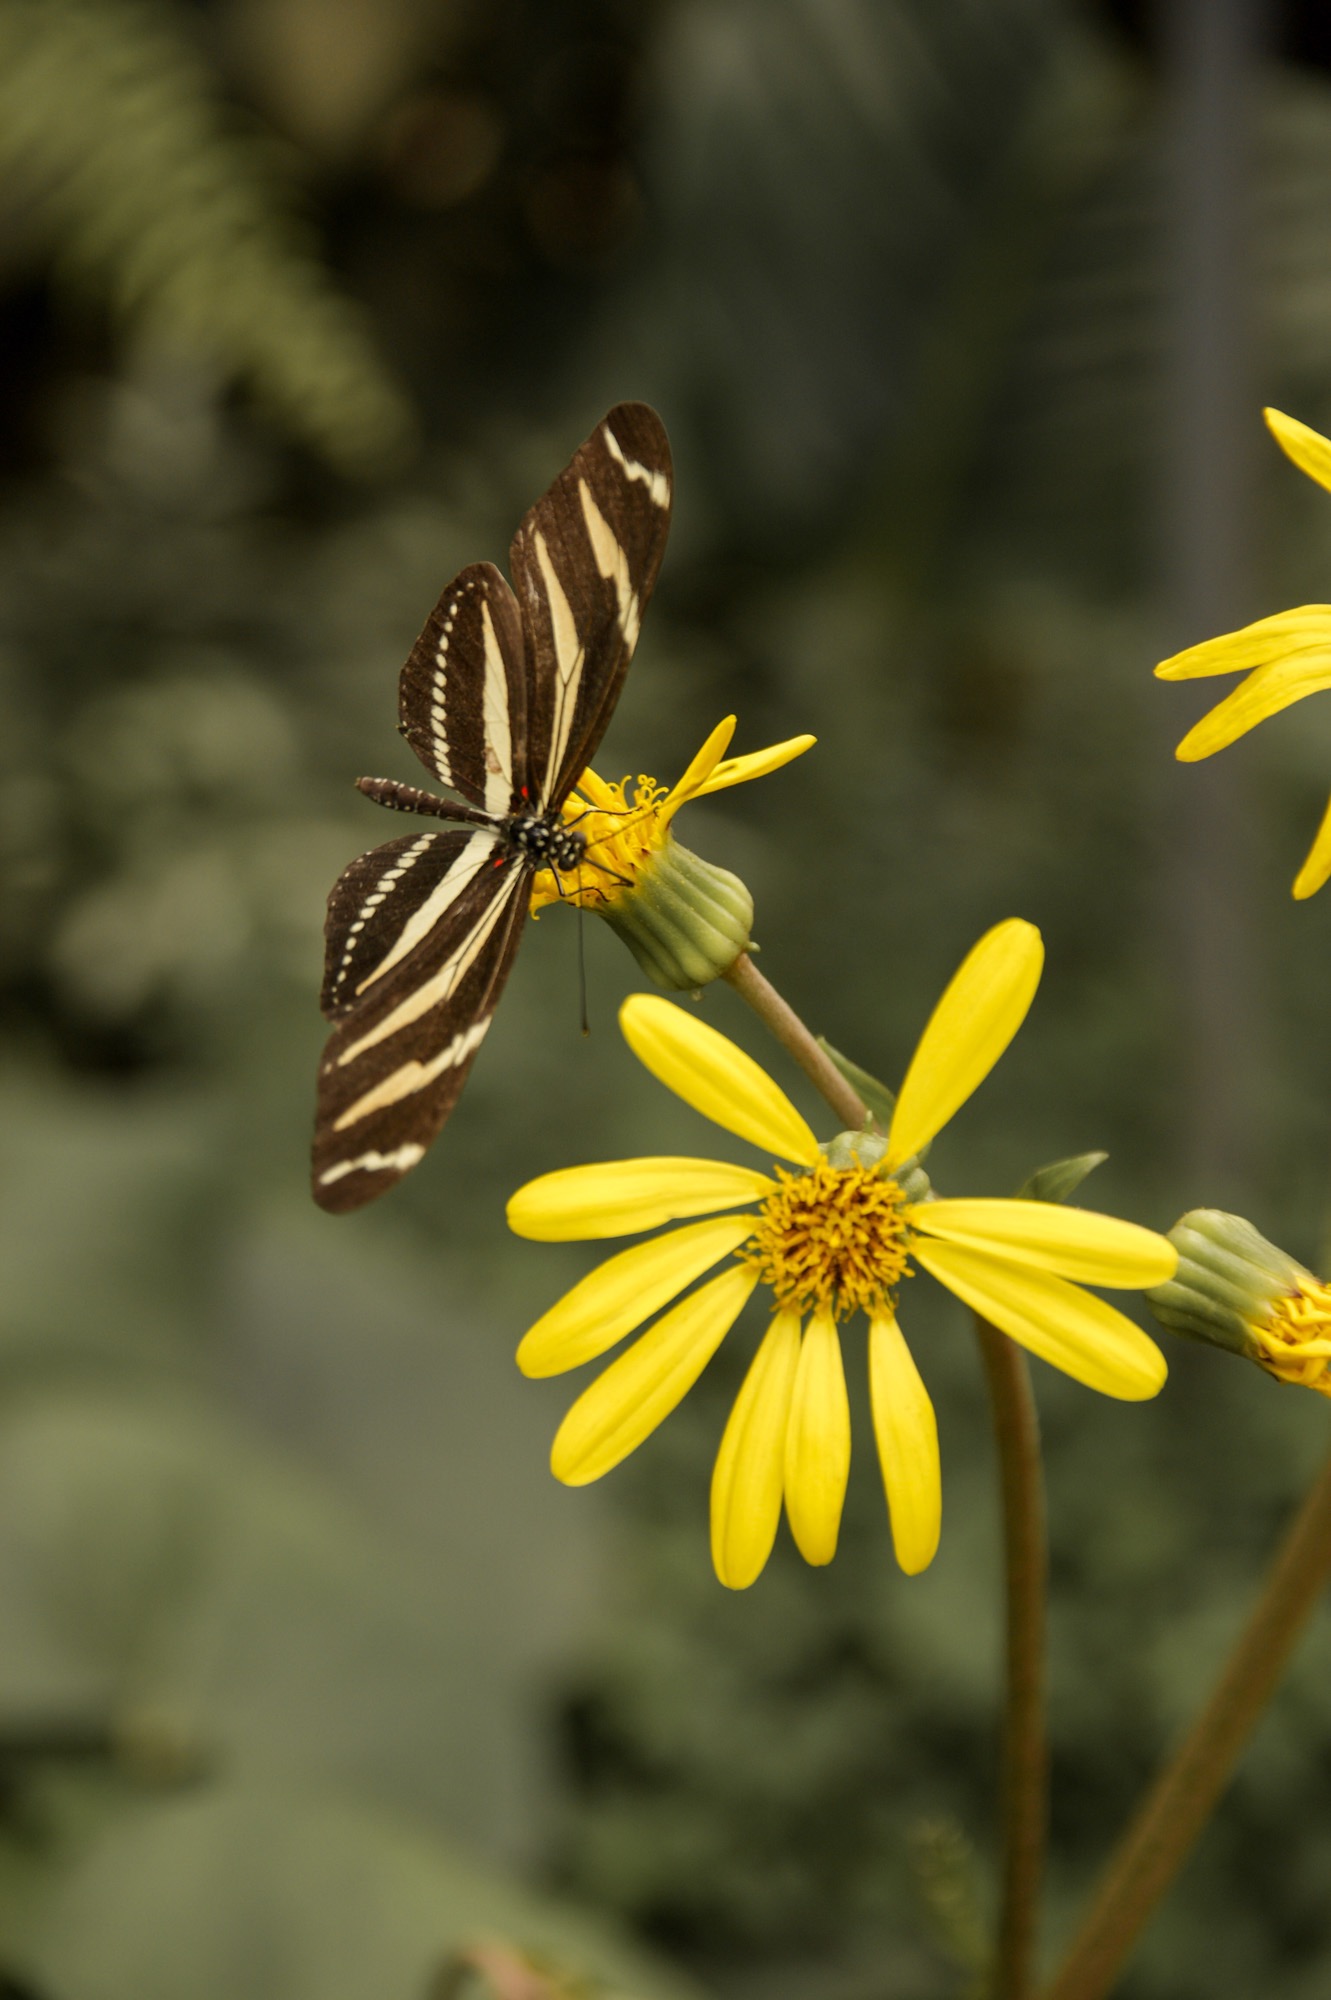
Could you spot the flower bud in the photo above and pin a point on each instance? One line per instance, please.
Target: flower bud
(685, 920)
(1233, 1289)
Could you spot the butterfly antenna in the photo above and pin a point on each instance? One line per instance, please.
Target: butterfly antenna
(582, 965)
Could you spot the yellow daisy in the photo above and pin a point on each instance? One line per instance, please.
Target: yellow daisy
(831, 1233)
(1286, 657)
(624, 834)
(685, 920)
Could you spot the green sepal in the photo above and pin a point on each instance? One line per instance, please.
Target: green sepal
(866, 1149)
(877, 1097)
(684, 920)
(1060, 1178)
(1229, 1277)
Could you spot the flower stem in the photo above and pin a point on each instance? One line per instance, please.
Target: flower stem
(782, 1022)
(1025, 1752)
(1017, 1430)
(1180, 1802)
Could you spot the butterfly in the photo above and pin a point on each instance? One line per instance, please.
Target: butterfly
(504, 698)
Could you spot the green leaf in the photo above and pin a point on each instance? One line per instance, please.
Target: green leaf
(1060, 1178)
(880, 1100)
(258, 1890)
(182, 1584)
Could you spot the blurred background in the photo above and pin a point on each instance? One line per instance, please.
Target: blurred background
(960, 314)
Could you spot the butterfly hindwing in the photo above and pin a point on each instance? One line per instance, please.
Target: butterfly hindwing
(584, 563)
(462, 695)
(394, 1066)
(383, 905)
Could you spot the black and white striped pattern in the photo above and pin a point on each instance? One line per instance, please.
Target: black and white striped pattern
(504, 698)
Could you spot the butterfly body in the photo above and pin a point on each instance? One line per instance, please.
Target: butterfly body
(542, 838)
(504, 698)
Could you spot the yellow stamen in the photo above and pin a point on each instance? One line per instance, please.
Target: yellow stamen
(832, 1237)
(1296, 1340)
(622, 835)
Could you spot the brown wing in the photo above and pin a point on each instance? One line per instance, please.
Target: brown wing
(413, 989)
(462, 696)
(584, 562)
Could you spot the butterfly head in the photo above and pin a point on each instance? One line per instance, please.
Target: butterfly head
(545, 841)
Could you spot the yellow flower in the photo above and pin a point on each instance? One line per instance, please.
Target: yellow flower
(625, 836)
(1287, 657)
(832, 1233)
(1235, 1289)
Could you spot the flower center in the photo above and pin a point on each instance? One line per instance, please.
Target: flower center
(1296, 1340)
(832, 1237)
(621, 833)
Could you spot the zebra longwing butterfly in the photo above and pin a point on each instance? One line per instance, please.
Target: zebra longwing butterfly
(504, 699)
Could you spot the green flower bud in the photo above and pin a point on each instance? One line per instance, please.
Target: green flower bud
(685, 920)
(1234, 1289)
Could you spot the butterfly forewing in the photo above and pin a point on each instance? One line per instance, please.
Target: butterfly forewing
(392, 1070)
(462, 696)
(584, 562)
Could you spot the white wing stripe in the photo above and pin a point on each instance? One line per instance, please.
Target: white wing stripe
(372, 1163)
(658, 486)
(444, 982)
(423, 919)
(439, 690)
(613, 564)
(385, 883)
(569, 657)
(414, 1076)
(498, 731)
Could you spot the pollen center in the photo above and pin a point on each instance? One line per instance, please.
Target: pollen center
(834, 1237)
(1296, 1341)
(620, 833)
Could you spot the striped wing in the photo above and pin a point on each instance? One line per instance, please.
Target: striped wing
(462, 696)
(421, 934)
(584, 562)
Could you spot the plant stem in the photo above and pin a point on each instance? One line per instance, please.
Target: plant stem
(782, 1022)
(1025, 1752)
(1179, 1803)
(1017, 1430)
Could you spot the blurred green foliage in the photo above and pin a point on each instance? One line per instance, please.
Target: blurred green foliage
(304, 1661)
(126, 173)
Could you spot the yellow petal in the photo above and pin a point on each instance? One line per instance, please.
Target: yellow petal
(1308, 448)
(818, 1442)
(907, 1433)
(1075, 1242)
(1065, 1326)
(969, 1029)
(597, 793)
(749, 1476)
(1305, 629)
(1265, 692)
(638, 1391)
(1317, 867)
(623, 1292)
(700, 770)
(620, 1197)
(708, 1071)
(758, 763)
